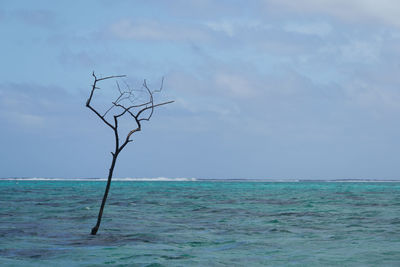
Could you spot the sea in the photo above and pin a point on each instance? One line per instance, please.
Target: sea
(190, 222)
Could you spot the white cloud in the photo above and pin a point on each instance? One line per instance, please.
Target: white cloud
(321, 29)
(234, 84)
(155, 31)
(374, 93)
(200, 106)
(33, 107)
(233, 27)
(360, 51)
(14, 111)
(384, 11)
(222, 26)
(27, 120)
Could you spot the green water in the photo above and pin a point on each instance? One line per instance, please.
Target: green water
(200, 224)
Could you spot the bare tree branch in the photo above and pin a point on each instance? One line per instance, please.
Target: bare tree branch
(152, 107)
(110, 77)
(135, 111)
(90, 99)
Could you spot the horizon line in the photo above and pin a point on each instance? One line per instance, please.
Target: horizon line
(184, 179)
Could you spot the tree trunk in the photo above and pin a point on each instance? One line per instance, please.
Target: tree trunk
(110, 174)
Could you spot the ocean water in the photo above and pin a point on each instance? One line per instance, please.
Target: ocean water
(200, 223)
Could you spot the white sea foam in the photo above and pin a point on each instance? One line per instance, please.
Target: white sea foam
(100, 179)
(162, 179)
(184, 179)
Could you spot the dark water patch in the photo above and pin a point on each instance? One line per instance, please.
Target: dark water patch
(370, 204)
(179, 257)
(354, 225)
(227, 246)
(280, 230)
(3, 215)
(280, 202)
(85, 201)
(155, 265)
(28, 253)
(201, 209)
(395, 221)
(373, 192)
(12, 232)
(49, 204)
(198, 244)
(114, 240)
(300, 214)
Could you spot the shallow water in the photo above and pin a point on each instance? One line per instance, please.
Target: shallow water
(200, 224)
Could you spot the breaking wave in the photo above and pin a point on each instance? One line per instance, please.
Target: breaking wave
(184, 179)
(100, 179)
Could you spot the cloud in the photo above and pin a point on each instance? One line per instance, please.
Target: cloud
(385, 11)
(285, 103)
(234, 26)
(24, 120)
(377, 92)
(217, 79)
(223, 26)
(235, 84)
(321, 28)
(255, 98)
(360, 51)
(199, 97)
(33, 106)
(156, 31)
(205, 9)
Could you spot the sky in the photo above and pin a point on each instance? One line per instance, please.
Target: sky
(263, 89)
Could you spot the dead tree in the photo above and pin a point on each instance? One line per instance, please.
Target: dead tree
(126, 104)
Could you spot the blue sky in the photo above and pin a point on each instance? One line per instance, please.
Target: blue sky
(264, 89)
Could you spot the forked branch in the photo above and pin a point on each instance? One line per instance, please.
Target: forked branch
(135, 109)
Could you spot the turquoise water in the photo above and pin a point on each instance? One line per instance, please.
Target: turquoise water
(200, 224)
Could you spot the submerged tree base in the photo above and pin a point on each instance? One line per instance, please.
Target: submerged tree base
(94, 230)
